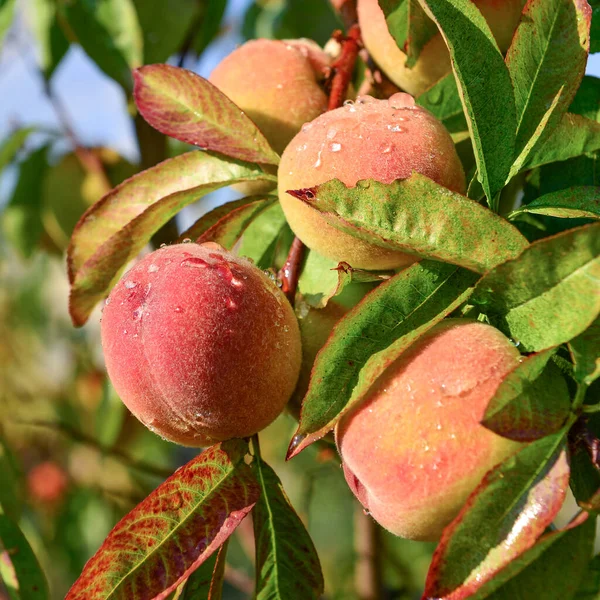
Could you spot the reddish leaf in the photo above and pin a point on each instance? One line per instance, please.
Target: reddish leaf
(189, 108)
(166, 537)
(118, 226)
(206, 582)
(502, 519)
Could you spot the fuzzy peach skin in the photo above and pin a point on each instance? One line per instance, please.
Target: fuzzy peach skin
(414, 449)
(434, 61)
(276, 83)
(200, 344)
(383, 140)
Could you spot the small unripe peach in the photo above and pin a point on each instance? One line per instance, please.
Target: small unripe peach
(200, 344)
(414, 449)
(434, 60)
(47, 483)
(276, 83)
(383, 140)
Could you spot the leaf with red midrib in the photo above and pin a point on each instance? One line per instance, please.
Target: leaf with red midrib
(167, 536)
(189, 108)
(502, 519)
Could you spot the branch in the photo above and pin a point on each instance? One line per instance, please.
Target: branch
(290, 272)
(91, 442)
(88, 160)
(343, 68)
(367, 544)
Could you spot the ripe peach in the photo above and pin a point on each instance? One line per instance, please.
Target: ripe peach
(434, 61)
(200, 344)
(276, 83)
(414, 449)
(370, 139)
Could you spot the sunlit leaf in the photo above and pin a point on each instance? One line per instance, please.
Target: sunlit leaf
(485, 88)
(371, 336)
(185, 106)
(558, 571)
(573, 136)
(502, 519)
(570, 203)
(410, 27)
(117, 227)
(168, 535)
(546, 62)
(550, 293)
(287, 565)
(443, 225)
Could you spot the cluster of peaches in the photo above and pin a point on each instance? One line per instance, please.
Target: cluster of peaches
(203, 346)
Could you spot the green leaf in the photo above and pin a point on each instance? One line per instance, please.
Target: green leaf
(502, 519)
(118, 226)
(557, 573)
(590, 584)
(212, 15)
(443, 101)
(371, 336)
(485, 88)
(410, 27)
(7, 12)
(227, 230)
(595, 29)
(531, 402)
(165, 25)
(22, 218)
(10, 491)
(162, 541)
(573, 136)
(12, 144)
(546, 62)
(19, 568)
(52, 43)
(206, 582)
(287, 565)
(110, 34)
(570, 203)
(442, 225)
(260, 240)
(550, 293)
(189, 108)
(585, 353)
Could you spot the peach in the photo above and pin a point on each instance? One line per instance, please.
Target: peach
(201, 345)
(47, 483)
(414, 449)
(434, 61)
(276, 83)
(383, 140)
